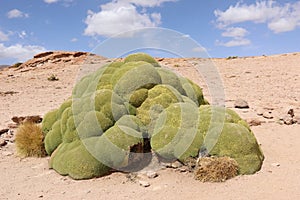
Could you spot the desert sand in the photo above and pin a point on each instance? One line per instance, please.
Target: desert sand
(270, 85)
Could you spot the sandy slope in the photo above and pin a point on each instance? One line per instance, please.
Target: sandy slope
(269, 83)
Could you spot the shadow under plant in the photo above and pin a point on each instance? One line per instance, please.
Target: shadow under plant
(125, 110)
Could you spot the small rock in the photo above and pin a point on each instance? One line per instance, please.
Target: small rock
(152, 174)
(166, 164)
(291, 112)
(280, 122)
(34, 119)
(144, 183)
(8, 137)
(12, 126)
(275, 164)
(2, 142)
(240, 103)
(288, 120)
(296, 119)
(4, 131)
(268, 115)
(183, 169)
(176, 165)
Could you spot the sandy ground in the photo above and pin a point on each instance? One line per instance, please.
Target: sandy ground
(268, 83)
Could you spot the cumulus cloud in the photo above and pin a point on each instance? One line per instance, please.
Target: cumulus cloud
(15, 13)
(279, 18)
(19, 52)
(235, 32)
(284, 25)
(3, 36)
(118, 16)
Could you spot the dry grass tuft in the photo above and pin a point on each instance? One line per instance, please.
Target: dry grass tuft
(215, 169)
(30, 140)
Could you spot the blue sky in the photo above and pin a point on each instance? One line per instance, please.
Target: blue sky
(223, 28)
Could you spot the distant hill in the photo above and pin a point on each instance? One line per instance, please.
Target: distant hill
(3, 66)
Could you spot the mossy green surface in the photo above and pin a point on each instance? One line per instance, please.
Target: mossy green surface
(116, 110)
(75, 160)
(176, 134)
(48, 121)
(141, 57)
(192, 91)
(226, 134)
(159, 98)
(237, 142)
(180, 132)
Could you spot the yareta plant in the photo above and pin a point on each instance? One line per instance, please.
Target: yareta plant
(128, 108)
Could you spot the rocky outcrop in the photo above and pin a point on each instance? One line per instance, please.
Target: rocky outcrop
(33, 119)
(56, 57)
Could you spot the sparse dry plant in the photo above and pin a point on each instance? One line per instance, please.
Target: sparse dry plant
(53, 78)
(215, 169)
(30, 140)
(16, 65)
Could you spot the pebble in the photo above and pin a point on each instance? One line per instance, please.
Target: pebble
(2, 142)
(291, 112)
(296, 119)
(144, 183)
(4, 131)
(182, 169)
(176, 165)
(268, 115)
(240, 103)
(288, 120)
(152, 174)
(166, 164)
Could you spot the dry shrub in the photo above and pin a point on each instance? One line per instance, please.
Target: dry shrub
(215, 169)
(30, 140)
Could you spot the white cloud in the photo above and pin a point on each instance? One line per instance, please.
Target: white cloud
(65, 3)
(234, 42)
(235, 32)
(74, 40)
(283, 25)
(279, 18)
(146, 3)
(3, 36)
(19, 52)
(15, 13)
(118, 16)
(199, 49)
(22, 34)
(50, 1)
